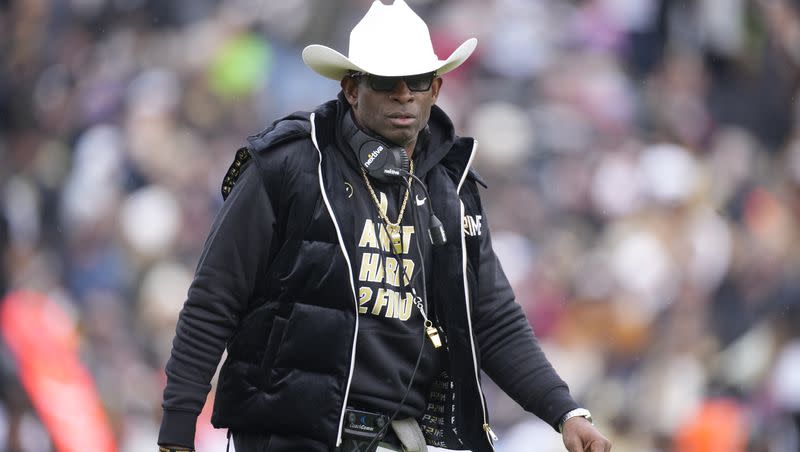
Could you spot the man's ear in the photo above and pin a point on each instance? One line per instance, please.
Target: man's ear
(435, 87)
(350, 88)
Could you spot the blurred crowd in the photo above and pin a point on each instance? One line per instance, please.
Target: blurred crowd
(642, 157)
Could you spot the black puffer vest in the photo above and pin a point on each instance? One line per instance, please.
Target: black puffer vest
(290, 363)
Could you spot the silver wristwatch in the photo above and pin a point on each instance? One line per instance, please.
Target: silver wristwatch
(582, 412)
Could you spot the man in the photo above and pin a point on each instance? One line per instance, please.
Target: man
(353, 317)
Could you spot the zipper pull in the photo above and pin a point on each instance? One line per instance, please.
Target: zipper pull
(488, 429)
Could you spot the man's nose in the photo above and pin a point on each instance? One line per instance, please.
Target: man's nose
(401, 93)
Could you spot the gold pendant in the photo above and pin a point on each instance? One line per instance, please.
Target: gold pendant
(433, 334)
(394, 236)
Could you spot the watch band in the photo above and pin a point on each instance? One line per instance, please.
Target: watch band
(174, 449)
(582, 412)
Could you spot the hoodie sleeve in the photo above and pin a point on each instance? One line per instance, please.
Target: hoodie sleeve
(233, 256)
(510, 353)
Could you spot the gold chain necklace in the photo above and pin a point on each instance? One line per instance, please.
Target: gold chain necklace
(392, 228)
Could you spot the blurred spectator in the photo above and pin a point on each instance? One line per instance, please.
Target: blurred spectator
(4, 257)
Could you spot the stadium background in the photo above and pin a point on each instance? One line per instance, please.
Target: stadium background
(642, 156)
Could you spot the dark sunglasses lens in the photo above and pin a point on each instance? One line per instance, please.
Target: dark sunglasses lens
(420, 82)
(383, 83)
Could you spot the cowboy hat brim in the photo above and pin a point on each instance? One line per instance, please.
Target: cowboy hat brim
(333, 65)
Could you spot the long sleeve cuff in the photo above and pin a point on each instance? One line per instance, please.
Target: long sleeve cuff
(178, 428)
(555, 405)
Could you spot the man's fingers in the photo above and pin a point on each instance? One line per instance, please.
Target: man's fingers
(603, 445)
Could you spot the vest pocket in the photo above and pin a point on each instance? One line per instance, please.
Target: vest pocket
(316, 339)
(274, 341)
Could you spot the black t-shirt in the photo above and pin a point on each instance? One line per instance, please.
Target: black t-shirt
(391, 328)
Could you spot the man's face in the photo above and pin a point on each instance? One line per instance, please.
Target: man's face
(397, 115)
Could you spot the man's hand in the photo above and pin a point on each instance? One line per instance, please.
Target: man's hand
(580, 435)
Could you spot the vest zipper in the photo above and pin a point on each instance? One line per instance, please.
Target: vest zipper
(490, 435)
(488, 429)
(350, 274)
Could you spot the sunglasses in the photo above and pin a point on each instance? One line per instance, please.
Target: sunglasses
(416, 83)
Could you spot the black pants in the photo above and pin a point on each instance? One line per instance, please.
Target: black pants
(253, 442)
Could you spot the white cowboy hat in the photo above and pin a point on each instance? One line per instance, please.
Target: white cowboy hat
(390, 40)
